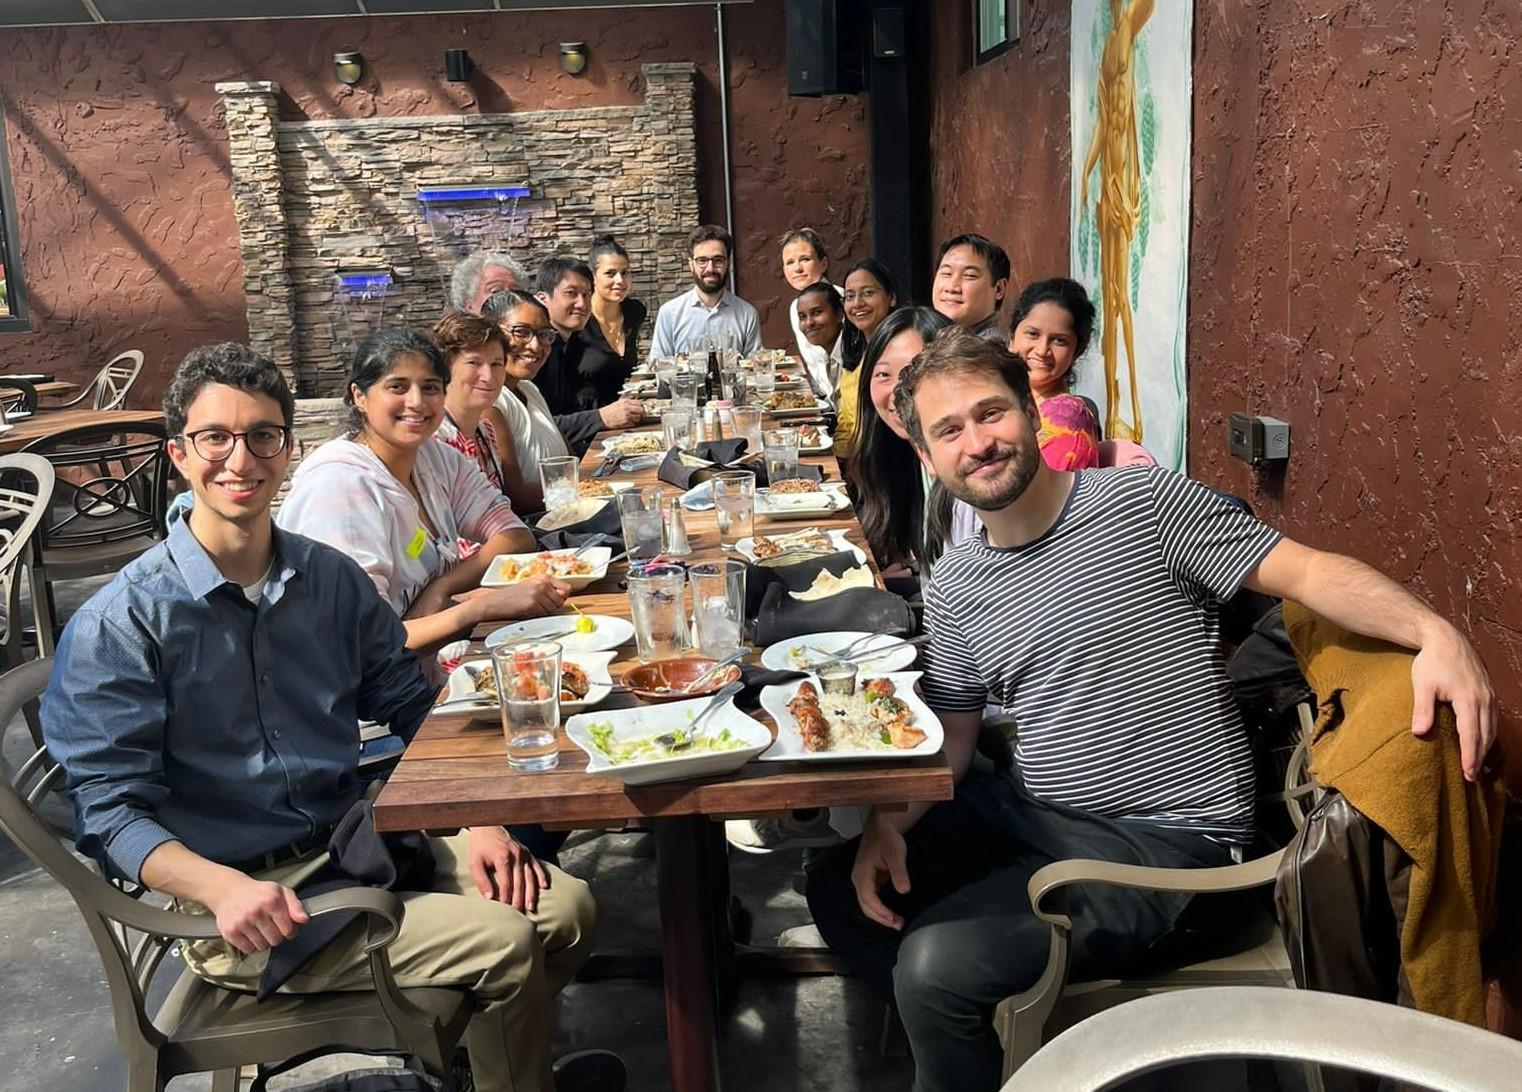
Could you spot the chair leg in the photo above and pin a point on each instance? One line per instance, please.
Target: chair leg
(143, 1076)
(225, 1080)
(42, 609)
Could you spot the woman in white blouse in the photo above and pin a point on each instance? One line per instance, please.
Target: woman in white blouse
(399, 502)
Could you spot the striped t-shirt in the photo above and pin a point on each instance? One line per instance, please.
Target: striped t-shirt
(1101, 638)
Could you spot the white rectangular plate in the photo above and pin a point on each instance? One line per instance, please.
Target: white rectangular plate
(597, 557)
(622, 443)
(746, 547)
(595, 664)
(825, 502)
(789, 745)
(648, 720)
(802, 411)
(896, 655)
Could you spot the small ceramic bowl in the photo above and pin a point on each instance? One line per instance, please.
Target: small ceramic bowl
(664, 680)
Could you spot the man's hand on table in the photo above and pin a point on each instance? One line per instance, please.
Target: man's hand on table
(881, 857)
(505, 870)
(532, 598)
(254, 915)
(625, 413)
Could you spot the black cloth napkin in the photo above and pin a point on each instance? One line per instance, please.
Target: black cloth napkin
(604, 521)
(870, 610)
(798, 576)
(758, 678)
(568, 539)
(674, 471)
(358, 855)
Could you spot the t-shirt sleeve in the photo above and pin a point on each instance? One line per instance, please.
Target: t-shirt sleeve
(951, 682)
(1210, 540)
(339, 508)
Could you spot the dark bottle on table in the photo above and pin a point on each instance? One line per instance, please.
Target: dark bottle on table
(715, 384)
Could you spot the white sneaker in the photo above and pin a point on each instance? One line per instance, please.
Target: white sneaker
(788, 832)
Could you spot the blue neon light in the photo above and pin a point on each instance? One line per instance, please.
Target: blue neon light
(438, 194)
(355, 283)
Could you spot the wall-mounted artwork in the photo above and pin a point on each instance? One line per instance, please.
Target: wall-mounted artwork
(1131, 95)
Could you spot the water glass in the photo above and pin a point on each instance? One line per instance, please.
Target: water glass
(746, 422)
(781, 447)
(684, 390)
(528, 685)
(560, 475)
(763, 378)
(734, 503)
(665, 370)
(639, 515)
(718, 606)
(676, 428)
(658, 608)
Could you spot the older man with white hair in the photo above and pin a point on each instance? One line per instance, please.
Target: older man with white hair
(478, 275)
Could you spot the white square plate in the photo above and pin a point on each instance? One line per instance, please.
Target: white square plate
(650, 720)
(635, 443)
(822, 502)
(597, 557)
(746, 547)
(896, 655)
(789, 745)
(462, 689)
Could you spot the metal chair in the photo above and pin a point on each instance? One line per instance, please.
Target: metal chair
(108, 507)
(200, 1027)
(1155, 1033)
(26, 490)
(108, 390)
(1254, 955)
(18, 398)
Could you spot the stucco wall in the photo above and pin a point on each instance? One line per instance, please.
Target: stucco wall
(119, 151)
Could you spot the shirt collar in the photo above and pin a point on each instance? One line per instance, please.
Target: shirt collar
(697, 300)
(200, 572)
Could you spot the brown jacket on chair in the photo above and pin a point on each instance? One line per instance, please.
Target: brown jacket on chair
(1413, 788)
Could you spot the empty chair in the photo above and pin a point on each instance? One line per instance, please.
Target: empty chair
(18, 397)
(108, 390)
(26, 488)
(109, 500)
(1155, 1033)
(201, 1027)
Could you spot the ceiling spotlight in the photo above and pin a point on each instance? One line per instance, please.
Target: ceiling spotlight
(573, 57)
(349, 68)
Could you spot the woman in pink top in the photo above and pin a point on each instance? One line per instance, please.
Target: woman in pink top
(1052, 323)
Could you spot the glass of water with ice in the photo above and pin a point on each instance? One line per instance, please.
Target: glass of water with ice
(718, 602)
(560, 475)
(734, 502)
(528, 686)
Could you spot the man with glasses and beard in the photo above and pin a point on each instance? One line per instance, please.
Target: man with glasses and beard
(708, 313)
(1087, 608)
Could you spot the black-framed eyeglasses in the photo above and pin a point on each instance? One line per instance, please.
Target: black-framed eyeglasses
(216, 445)
(528, 333)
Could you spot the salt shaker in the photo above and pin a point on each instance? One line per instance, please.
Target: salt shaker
(675, 531)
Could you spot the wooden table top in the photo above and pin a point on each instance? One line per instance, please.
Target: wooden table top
(53, 388)
(455, 773)
(48, 423)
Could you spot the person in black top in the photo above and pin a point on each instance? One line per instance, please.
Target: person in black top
(612, 333)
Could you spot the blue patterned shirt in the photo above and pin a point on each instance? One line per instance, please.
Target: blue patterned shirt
(181, 711)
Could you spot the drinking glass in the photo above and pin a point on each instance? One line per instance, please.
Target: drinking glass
(639, 515)
(665, 370)
(746, 422)
(528, 685)
(734, 502)
(658, 609)
(684, 390)
(781, 447)
(718, 605)
(560, 476)
(763, 378)
(676, 428)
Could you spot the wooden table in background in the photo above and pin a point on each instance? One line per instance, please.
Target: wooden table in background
(44, 424)
(455, 774)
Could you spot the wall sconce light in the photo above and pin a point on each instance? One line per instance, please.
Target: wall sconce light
(348, 68)
(573, 58)
(458, 66)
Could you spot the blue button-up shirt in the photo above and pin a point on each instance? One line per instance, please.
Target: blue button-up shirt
(181, 711)
(687, 324)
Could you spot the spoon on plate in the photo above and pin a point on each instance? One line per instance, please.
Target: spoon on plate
(681, 739)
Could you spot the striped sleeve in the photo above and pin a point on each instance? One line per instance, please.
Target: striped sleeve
(1209, 540)
(952, 682)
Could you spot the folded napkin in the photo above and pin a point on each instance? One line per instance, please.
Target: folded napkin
(800, 576)
(758, 678)
(684, 469)
(870, 610)
(569, 538)
(604, 522)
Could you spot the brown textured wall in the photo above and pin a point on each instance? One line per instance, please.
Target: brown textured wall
(999, 138)
(119, 153)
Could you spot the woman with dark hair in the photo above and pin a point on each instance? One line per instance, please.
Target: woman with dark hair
(1050, 328)
(612, 332)
(868, 298)
(398, 502)
(893, 490)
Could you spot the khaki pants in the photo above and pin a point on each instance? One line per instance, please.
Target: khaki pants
(512, 963)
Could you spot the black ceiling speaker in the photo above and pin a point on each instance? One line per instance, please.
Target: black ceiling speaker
(824, 46)
(457, 65)
(888, 32)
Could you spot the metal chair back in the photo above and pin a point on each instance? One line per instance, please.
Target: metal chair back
(17, 396)
(112, 485)
(109, 389)
(26, 490)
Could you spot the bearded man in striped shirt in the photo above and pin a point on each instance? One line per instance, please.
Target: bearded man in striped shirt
(1087, 609)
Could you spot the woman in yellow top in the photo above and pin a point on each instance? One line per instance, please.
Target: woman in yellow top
(869, 298)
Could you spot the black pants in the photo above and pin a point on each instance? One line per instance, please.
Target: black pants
(970, 939)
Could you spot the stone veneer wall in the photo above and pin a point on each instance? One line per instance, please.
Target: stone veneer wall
(315, 199)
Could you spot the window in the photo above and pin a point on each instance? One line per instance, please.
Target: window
(998, 26)
(12, 293)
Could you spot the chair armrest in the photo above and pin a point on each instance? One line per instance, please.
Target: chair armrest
(373, 902)
(1050, 880)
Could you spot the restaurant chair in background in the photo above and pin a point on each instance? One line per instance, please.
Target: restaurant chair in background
(109, 389)
(18, 398)
(26, 489)
(199, 1027)
(109, 501)
(1154, 1034)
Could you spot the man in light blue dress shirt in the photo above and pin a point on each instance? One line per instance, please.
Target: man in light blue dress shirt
(205, 708)
(708, 312)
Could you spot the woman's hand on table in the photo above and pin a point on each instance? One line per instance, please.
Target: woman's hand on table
(504, 869)
(625, 413)
(531, 598)
(882, 856)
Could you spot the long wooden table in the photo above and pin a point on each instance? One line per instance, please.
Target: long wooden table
(43, 424)
(456, 774)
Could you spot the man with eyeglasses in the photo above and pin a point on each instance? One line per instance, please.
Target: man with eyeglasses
(708, 313)
(205, 709)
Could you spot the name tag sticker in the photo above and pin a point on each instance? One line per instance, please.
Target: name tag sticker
(415, 547)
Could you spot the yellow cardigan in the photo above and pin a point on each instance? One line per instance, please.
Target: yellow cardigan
(847, 390)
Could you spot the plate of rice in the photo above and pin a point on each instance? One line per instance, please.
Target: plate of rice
(871, 724)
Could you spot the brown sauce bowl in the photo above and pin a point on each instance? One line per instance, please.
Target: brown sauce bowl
(664, 680)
